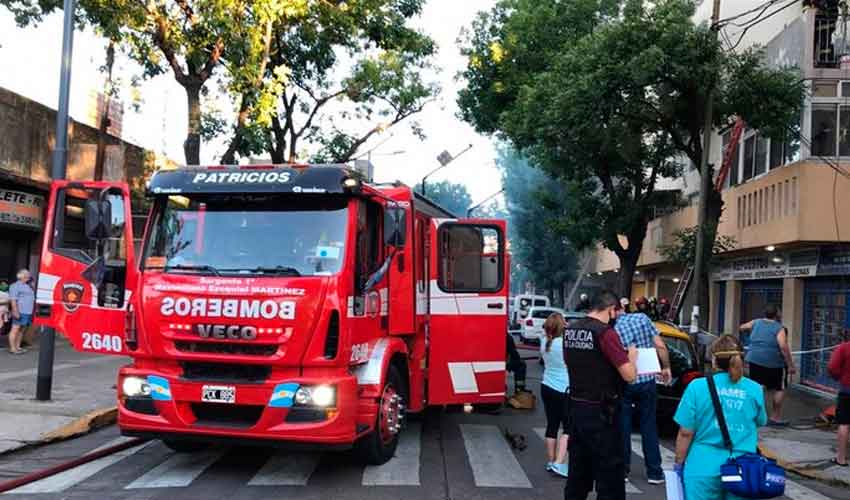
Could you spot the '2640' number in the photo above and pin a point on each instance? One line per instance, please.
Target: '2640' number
(98, 342)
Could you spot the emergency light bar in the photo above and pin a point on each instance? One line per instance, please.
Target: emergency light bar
(221, 179)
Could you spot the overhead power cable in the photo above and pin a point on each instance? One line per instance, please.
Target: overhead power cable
(746, 26)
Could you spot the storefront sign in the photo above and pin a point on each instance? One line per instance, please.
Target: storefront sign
(771, 266)
(21, 209)
(834, 261)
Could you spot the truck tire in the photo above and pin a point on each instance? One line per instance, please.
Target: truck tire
(379, 446)
(181, 446)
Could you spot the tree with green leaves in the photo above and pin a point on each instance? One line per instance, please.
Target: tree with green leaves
(626, 66)
(683, 249)
(536, 203)
(607, 164)
(453, 197)
(189, 38)
(340, 67)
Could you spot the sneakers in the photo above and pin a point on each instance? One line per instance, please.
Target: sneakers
(560, 469)
(549, 466)
(655, 481)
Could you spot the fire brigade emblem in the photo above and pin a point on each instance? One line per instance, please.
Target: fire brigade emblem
(72, 295)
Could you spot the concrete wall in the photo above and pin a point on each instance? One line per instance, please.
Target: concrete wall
(27, 140)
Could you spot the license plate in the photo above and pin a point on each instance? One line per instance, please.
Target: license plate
(218, 394)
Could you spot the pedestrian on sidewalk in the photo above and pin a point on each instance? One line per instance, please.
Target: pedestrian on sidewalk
(770, 360)
(640, 397)
(553, 391)
(23, 303)
(839, 369)
(5, 312)
(700, 450)
(597, 364)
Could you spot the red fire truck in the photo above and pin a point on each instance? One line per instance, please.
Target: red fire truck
(278, 304)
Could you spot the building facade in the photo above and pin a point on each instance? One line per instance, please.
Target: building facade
(786, 202)
(26, 145)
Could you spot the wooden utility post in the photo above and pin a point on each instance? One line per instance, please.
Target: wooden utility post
(700, 261)
(100, 156)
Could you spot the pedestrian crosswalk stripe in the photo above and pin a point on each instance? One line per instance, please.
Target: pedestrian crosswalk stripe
(403, 468)
(492, 461)
(286, 469)
(179, 470)
(64, 480)
(668, 458)
(630, 488)
(796, 491)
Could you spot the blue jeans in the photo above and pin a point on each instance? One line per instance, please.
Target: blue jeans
(642, 399)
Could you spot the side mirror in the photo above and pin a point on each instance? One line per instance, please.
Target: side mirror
(98, 214)
(395, 226)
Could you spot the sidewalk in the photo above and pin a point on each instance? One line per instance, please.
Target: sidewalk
(83, 395)
(802, 447)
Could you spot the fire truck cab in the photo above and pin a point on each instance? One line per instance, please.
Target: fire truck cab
(277, 304)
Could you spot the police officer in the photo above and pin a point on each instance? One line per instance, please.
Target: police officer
(599, 366)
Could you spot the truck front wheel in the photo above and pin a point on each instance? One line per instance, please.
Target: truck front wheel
(379, 446)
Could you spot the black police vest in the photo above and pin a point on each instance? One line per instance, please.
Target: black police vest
(592, 376)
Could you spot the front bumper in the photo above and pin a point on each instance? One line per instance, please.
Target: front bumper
(183, 415)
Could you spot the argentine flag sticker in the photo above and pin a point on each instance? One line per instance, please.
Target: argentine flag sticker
(283, 395)
(160, 390)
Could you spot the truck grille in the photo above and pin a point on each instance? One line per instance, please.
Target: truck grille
(226, 348)
(226, 415)
(222, 372)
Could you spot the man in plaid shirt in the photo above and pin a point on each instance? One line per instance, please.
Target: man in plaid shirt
(640, 396)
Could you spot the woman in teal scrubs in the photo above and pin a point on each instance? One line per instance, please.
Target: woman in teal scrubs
(699, 446)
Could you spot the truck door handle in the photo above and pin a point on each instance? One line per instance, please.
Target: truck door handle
(497, 305)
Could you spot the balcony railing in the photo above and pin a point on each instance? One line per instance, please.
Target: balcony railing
(824, 52)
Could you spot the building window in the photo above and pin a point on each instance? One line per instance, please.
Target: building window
(749, 157)
(732, 177)
(824, 118)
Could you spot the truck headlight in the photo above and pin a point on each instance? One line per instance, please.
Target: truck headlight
(319, 395)
(135, 386)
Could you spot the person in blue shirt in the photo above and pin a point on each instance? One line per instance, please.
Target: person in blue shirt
(553, 391)
(699, 446)
(640, 398)
(770, 360)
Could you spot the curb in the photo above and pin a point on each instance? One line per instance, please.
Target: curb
(803, 471)
(82, 425)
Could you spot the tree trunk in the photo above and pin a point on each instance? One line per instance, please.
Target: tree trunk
(192, 145)
(277, 142)
(229, 156)
(714, 209)
(628, 264)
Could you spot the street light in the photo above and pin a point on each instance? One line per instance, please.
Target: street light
(485, 200)
(444, 158)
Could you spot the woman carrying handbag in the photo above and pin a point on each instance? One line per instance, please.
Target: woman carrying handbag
(716, 452)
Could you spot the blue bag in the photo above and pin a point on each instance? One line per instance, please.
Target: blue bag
(749, 475)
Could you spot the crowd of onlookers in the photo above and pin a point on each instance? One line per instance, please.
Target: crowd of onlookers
(600, 351)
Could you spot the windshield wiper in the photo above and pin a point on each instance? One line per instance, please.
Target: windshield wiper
(282, 270)
(184, 267)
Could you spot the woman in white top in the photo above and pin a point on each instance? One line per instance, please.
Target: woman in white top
(553, 391)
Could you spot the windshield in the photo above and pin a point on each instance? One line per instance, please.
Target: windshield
(226, 234)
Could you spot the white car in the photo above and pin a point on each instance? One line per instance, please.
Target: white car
(532, 328)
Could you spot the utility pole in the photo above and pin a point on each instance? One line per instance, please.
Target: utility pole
(485, 200)
(700, 263)
(47, 342)
(103, 125)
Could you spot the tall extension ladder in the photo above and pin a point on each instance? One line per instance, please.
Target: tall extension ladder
(729, 154)
(679, 298)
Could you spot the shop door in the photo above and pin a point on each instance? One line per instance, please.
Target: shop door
(755, 296)
(826, 317)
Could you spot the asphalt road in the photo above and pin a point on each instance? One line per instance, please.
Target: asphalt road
(442, 456)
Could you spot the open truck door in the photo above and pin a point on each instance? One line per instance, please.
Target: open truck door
(87, 267)
(469, 312)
